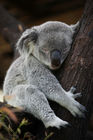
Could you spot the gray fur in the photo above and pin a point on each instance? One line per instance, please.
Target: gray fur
(29, 79)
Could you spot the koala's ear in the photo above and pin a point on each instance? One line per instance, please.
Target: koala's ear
(27, 40)
(75, 26)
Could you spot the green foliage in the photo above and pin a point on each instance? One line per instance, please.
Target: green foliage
(13, 135)
(48, 136)
(8, 133)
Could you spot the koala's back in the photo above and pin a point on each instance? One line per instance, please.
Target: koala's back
(14, 76)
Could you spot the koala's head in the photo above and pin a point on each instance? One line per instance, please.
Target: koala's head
(49, 42)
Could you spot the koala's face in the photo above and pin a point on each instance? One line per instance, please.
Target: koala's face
(49, 43)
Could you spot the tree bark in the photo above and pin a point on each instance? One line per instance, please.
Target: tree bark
(76, 71)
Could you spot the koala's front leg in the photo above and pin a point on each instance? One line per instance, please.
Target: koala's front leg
(66, 99)
(34, 101)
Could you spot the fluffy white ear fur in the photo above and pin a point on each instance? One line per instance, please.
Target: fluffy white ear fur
(75, 26)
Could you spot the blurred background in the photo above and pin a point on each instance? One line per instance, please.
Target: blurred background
(35, 12)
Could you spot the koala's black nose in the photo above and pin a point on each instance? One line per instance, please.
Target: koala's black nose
(55, 58)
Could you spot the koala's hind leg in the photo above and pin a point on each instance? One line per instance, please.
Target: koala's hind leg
(34, 101)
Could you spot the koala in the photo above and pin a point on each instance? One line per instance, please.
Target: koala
(29, 80)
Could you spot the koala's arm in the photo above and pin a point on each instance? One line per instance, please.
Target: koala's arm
(32, 100)
(52, 89)
(67, 100)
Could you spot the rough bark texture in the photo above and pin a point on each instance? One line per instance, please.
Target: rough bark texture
(76, 71)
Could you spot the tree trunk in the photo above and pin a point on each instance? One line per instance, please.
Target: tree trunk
(76, 71)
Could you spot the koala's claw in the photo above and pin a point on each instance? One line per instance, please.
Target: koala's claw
(57, 122)
(72, 89)
(77, 109)
(77, 95)
(82, 108)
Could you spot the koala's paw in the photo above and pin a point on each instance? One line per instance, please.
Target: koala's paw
(71, 93)
(75, 107)
(56, 122)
